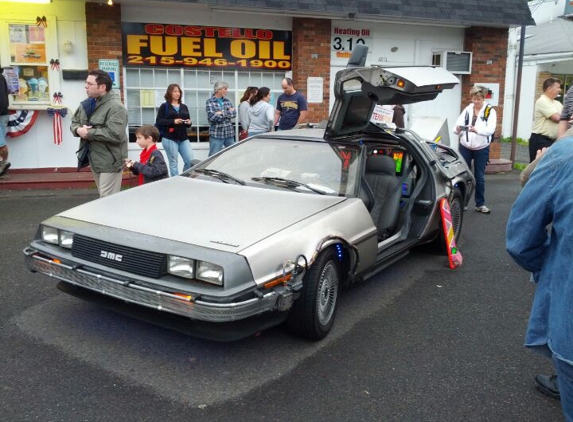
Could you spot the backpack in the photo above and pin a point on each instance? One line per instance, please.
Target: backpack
(486, 114)
(162, 129)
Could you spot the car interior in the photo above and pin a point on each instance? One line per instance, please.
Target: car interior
(381, 178)
(392, 189)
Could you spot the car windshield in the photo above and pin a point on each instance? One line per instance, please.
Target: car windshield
(305, 166)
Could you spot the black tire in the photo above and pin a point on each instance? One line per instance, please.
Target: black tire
(457, 210)
(312, 314)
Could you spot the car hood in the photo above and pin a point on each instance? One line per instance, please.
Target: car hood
(215, 215)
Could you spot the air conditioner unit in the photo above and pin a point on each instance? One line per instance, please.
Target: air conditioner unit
(459, 62)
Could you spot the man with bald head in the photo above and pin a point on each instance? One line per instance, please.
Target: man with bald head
(291, 107)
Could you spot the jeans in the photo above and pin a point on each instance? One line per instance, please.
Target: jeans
(565, 379)
(216, 145)
(254, 132)
(480, 158)
(172, 148)
(3, 129)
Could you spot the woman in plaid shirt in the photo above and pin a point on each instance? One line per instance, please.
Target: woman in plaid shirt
(220, 111)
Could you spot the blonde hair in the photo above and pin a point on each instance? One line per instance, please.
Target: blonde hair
(478, 90)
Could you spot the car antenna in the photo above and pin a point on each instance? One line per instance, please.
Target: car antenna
(358, 57)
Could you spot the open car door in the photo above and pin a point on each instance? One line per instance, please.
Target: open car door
(357, 91)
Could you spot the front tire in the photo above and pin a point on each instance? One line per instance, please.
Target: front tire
(313, 313)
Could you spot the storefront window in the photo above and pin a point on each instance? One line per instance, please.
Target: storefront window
(145, 88)
(30, 63)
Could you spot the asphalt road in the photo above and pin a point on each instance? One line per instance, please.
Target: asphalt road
(420, 342)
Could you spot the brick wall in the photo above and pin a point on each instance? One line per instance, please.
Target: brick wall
(489, 47)
(541, 77)
(311, 58)
(103, 28)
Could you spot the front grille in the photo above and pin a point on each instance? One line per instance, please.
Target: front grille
(151, 298)
(124, 258)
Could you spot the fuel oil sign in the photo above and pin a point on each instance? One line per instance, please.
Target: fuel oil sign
(166, 45)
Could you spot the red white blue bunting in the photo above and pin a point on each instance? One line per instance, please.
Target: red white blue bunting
(55, 64)
(57, 114)
(21, 121)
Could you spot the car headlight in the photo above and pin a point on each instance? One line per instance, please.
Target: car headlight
(199, 270)
(182, 267)
(54, 236)
(66, 239)
(50, 235)
(211, 273)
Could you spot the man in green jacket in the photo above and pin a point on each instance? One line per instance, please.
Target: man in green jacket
(101, 123)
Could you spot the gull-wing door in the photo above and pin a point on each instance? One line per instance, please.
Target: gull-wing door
(358, 90)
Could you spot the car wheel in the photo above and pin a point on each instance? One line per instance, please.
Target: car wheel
(312, 314)
(457, 211)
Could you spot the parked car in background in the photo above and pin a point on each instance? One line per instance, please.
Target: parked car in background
(271, 229)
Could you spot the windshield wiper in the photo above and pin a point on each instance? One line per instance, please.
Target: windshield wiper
(287, 183)
(224, 177)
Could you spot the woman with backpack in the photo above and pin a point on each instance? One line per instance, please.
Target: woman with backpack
(475, 127)
(172, 121)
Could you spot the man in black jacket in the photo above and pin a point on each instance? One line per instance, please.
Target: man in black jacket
(4, 117)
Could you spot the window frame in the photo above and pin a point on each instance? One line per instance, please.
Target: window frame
(52, 73)
(191, 87)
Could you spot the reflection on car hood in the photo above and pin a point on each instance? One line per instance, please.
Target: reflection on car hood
(216, 215)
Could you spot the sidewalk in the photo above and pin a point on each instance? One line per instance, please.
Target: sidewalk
(54, 178)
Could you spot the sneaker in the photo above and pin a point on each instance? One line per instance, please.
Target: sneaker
(4, 166)
(548, 385)
(483, 209)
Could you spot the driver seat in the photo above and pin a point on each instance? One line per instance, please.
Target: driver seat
(381, 177)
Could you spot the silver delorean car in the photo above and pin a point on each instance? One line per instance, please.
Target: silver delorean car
(272, 229)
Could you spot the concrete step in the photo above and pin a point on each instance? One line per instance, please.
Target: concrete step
(498, 165)
(54, 178)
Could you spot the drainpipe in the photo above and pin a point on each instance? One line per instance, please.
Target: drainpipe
(517, 95)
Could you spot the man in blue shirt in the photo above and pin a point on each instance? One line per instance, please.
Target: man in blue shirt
(547, 200)
(291, 107)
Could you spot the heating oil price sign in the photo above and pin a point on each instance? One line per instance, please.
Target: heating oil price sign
(344, 40)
